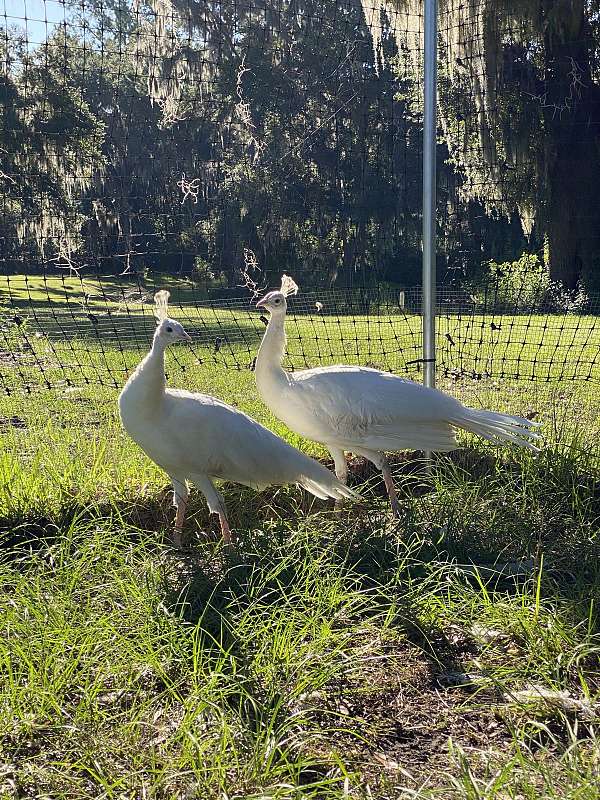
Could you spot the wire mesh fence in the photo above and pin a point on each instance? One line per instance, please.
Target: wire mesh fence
(168, 142)
(64, 333)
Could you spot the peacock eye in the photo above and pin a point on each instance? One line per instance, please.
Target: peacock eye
(169, 329)
(277, 300)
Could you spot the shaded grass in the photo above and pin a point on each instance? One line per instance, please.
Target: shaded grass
(311, 666)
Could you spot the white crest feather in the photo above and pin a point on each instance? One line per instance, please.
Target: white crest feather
(288, 286)
(161, 304)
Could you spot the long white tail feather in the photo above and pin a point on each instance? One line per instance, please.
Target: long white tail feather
(493, 427)
(439, 436)
(325, 485)
(335, 489)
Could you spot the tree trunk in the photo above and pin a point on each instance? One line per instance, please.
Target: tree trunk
(572, 133)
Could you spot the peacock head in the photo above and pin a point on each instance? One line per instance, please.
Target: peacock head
(275, 302)
(168, 330)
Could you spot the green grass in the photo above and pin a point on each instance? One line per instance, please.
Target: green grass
(334, 655)
(73, 331)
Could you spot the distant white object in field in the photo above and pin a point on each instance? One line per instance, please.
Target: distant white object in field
(199, 438)
(319, 306)
(365, 411)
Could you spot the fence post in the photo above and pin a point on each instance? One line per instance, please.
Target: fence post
(429, 189)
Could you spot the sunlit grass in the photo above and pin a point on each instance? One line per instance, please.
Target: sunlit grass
(70, 331)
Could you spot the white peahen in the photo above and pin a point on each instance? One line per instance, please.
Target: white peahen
(197, 437)
(365, 411)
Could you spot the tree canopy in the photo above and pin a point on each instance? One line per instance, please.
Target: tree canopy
(519, 107)
(177, 136)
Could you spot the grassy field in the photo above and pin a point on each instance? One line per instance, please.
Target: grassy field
(336, 654)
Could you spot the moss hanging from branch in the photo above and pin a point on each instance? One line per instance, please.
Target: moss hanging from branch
(473, 34)
(52, 154)
(516, 88)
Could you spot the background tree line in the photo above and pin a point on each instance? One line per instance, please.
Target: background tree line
(176, 136)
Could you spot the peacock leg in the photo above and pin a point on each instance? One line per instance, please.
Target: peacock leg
(180, 500)
(380, 461)
(225, 529)
(341, 470)
(216, 504)
(391, 489)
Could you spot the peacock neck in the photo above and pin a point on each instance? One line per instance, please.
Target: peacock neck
(148, 382)
(269, 369)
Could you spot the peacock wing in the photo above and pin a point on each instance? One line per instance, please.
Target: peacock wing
(216, 439)
(373, 409)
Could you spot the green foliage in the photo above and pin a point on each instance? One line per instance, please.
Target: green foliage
(525, 284)
(521, 284)
(306, 175)
(176, 134)
(50, 154)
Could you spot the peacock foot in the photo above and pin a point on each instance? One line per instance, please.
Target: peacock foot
(396, 508)
(177, 538)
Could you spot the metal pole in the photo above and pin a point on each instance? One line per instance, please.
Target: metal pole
(429, 189)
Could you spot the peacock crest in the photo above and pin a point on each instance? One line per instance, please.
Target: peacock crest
(288, 286)
(161, 304)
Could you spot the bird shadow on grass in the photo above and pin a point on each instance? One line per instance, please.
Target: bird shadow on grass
(279, 572)
(485, 506)
(473, 506)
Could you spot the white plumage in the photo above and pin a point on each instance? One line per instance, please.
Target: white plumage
(199, 438)
(366, 411)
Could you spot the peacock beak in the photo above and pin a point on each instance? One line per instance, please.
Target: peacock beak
(185, 337)
(262, 302)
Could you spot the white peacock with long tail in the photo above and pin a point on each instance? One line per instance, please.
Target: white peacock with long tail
(365, 411)
(199, 438)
